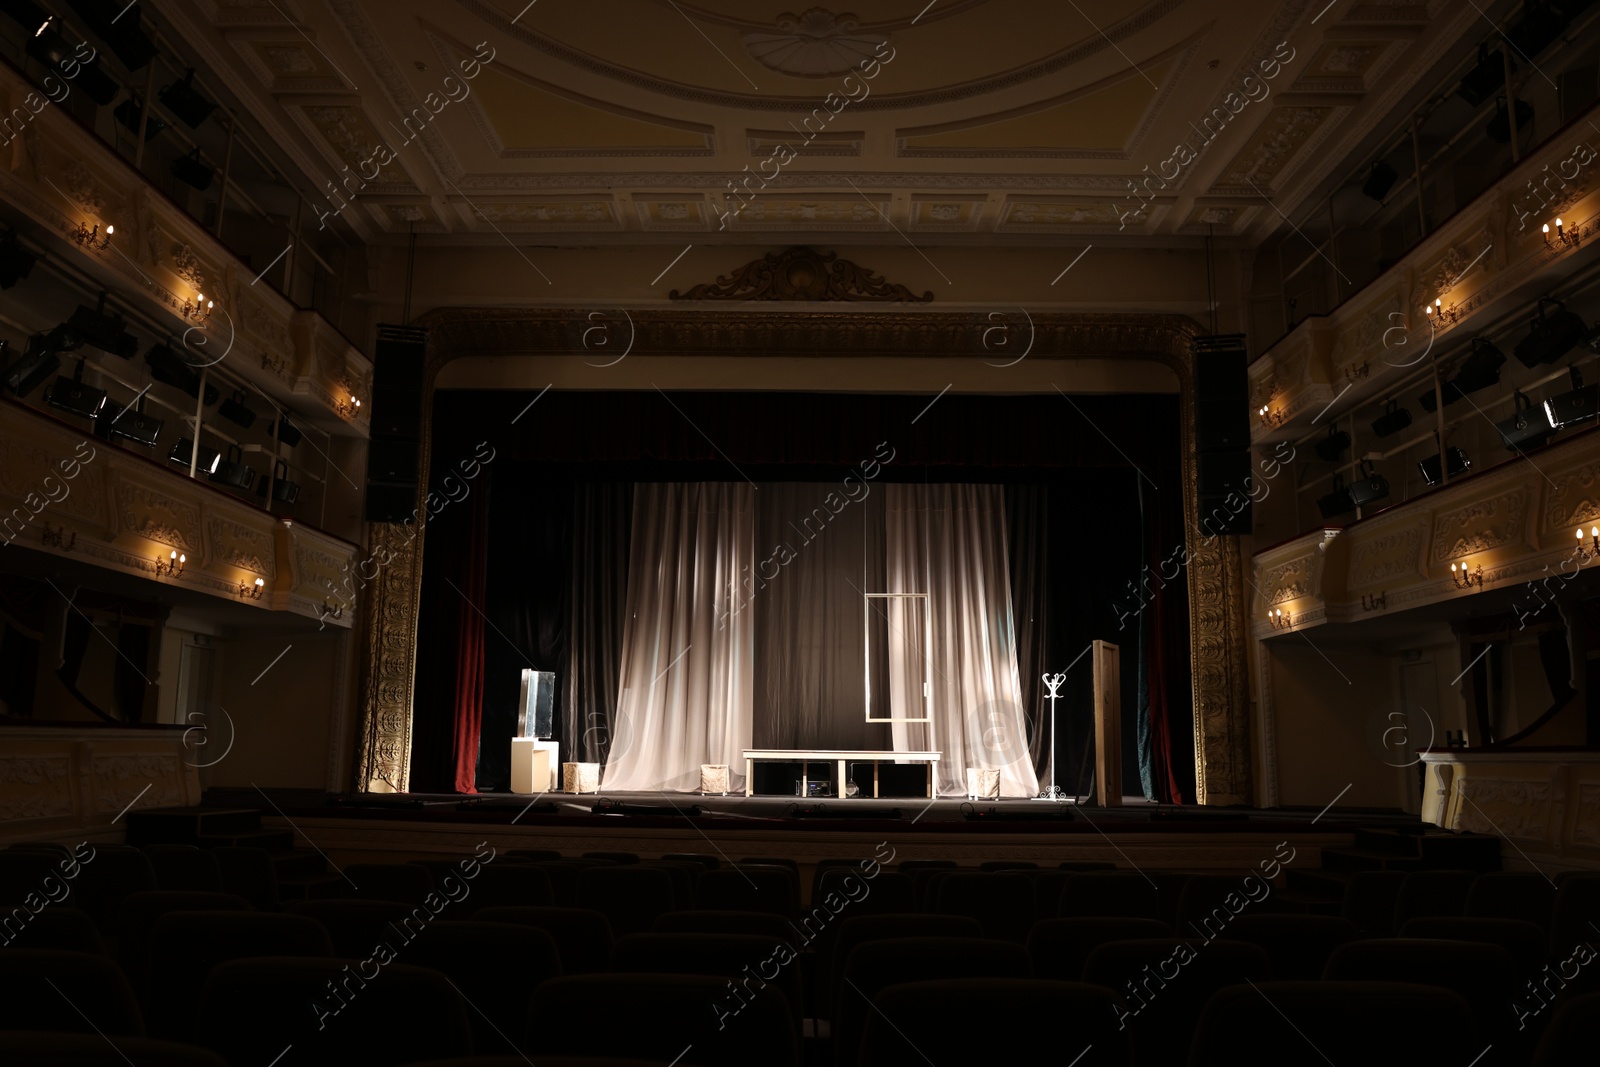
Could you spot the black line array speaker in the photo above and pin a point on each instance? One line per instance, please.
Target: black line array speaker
(1222, 433)
(394, 455)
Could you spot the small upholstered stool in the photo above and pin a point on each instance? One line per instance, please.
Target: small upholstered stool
(983, 784)
(580, 777)
(714, 778)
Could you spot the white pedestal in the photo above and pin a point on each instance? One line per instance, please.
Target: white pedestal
(553, 748)
(530, 765)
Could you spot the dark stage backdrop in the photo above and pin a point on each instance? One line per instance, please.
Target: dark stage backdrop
(548, 519)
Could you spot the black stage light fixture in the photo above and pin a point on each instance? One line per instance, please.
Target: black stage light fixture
(1394, 419)
(1337, 502)
(29, 16)
(40, 361)
(1481, 368)
(1528, 428)
(1581, 404)
(236, 411)
(1499, 128)
(72, 395)
(283, 490)
(1540, 25)
(1459, 464)
(127, 114)
(15, 261)
(132, 424)
(170, 368)
(107, 332)
(1379, 181)
(1369, 487)
(191, 171)
(96, 84)
(1331, 447)
(1449, 390)
(184, 450)
(118, 27)
(231, 471)
(181, 98)
(1486, 79)
(1550, 336)
(47, 45)
(285, 430)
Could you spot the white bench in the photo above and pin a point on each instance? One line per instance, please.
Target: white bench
(840, 757)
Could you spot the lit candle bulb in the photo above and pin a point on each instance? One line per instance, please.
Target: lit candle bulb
(174, 555)
(260, 583)
(1429, 309)
(110, 230)
(1594, 531)
(1546, 229)
(1558, 227)
(183, 559)
(1580, 533)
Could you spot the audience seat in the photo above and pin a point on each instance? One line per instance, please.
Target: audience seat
(630, 897)
(185, 867)
(1166, 983)
(24, 873)
(115, 873)
(754, 963)
(543, 1061)
(55, 926)
(972, 1020)
(875, 965)
(684, 877)
(1480, 973)
(533, 854)
(1297, 945)
(1370, 900)
(749, 923)
(1526, 942)
(886, 893)
(1002, 902)
(563, 876)
(907, 866)
(1122, 894)
(750, 888)
(185, 945)
(37, 1048)
(249, 873)
(505, 885)
(619, 858)
(494, 966)
(692, 1020)
(1058, 948)
(383, 1016)
(1572, 1034)
(835, 949)
(406, 883)
(1512, 895)
(72, 992)
(710, 863)
(1079, 866)
(136, 922)
(1347, 1023)
(992, 866)
(1577, 912)
(1432, 894)
(582, 936)
(356, 927)
(1209, 903)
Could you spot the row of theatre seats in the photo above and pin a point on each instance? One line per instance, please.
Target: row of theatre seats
(607, 958)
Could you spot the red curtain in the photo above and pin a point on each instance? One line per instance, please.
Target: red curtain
(470, 626)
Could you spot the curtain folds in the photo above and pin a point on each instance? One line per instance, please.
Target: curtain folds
(949, 541)
(601, 518)
(686, 681)
(473, 588)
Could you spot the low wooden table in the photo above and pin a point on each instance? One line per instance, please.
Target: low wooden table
(840, 757)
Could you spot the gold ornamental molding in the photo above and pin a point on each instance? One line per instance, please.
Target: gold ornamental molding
(1216, 565)
(801, 274)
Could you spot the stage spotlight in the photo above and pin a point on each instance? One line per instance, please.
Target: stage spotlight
(1539, 26)
(1331, 447)
(283, 490)
(29, 16)
(1528, 428)
(40, 361)
(187, 104)
(235, 411)
(231, 471)
(134, 425)
(1459, 464)
(1337, 502)
(285, 430)
(47, 45)
(1481, 368)
(184, 450)
(118, 27)
(72, 395)
(1368, 488)
(191, 171)
(128, 113)
(1499, 128)
(1449, 390)
(1550, 336)
(1394, 419)
(1486, 79)
(1379, 182)
(15, 261)
(1581, 404)
(108, 333)
(96, 84)
(169, 368)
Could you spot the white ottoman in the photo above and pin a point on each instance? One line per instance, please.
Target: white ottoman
(983, 784)
(714, 778)
(580, 777)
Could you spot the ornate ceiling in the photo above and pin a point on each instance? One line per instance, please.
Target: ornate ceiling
(1015, 120)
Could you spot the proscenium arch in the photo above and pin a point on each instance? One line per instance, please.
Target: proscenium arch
(1217, 632)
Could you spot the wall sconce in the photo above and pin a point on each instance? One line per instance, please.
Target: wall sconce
(1592, 549)
(1563, 237)
(251, 592)
(1280, 619)
(92, 237)
(1269, 417)
(1372, 602)
(1356, 373)
(198, 308)
(348, 406)
(172, 566)
(1438, 313)
(53, 537)
(1466, 579)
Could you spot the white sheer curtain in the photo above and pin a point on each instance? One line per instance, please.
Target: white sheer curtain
(685, 690)
(949, 541)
